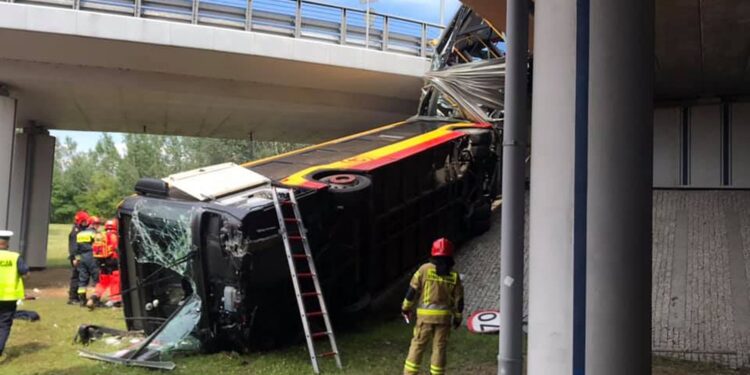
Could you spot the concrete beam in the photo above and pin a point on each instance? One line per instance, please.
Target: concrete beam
(7, 135)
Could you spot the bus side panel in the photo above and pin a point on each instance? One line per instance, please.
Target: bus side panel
(413, 203)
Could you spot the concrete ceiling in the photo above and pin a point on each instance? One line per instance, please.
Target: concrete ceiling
(702, 46)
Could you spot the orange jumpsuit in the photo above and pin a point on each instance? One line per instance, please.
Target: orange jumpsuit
(105, 250)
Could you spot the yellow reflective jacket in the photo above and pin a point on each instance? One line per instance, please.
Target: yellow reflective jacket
(439, 298)
(11, 283)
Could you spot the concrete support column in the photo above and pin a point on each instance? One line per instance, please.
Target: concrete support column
(7, 133)
(590, 223)
(31, 190)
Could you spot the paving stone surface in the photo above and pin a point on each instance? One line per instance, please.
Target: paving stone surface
(701, 268)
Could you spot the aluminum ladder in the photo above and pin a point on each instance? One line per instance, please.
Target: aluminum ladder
(292, 246)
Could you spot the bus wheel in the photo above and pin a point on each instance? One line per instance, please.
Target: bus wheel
(347, 189)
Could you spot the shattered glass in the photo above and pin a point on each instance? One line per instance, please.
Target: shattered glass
(162, 236)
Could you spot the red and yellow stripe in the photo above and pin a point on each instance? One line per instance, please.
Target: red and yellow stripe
(374, 159)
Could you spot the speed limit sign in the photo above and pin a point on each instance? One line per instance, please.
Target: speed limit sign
(484, 321)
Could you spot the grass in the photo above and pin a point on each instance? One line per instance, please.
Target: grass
(46, 347)
(57, 245)
(376, 348)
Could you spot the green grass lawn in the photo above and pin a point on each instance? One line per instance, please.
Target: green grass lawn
(375, 348)
(46, 347)
(57, 245)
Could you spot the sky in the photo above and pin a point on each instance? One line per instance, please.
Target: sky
(420, 10)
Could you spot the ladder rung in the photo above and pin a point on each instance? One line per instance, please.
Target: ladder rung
(291, 220)
(320, 334)
(306, 274)
(310, 294)
(299, 256)
(314, 314)
(327, 354)
(295, 237)
(288, 203)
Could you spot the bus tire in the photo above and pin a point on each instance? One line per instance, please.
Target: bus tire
(347, 189)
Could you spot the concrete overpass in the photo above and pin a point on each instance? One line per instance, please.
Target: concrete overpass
(81, 70)
(292, 70)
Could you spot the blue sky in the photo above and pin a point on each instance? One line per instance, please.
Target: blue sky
(421, 10)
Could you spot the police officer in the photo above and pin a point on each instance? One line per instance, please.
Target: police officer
(88, 269)
(437, 291)
(80, 223)
(12, 267)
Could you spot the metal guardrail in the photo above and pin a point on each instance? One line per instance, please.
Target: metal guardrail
(294, 18)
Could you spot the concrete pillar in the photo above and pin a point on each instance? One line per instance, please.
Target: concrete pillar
(590, 223)
(31, 190)
(7, 132)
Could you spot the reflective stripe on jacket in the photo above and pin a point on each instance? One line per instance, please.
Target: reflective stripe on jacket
(11, 284)
(85, 241)
(439, 295)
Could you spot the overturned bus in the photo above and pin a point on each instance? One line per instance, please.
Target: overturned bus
(202, 260)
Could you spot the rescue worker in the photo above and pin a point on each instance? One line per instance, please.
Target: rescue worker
(80, 223)
(12, 267)
(105, 254)
(88, 270)
(113, 242)
(437, 291)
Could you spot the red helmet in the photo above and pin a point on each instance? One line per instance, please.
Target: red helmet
(111, 225)
(94, 220)
(82, 217)
(442, 247)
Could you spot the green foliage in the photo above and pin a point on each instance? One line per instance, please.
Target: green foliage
(97, 180)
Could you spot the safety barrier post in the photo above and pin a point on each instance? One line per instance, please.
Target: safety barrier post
(298, 20)
(249, 16)
(385, 33)
(423, 43)
(343, 26)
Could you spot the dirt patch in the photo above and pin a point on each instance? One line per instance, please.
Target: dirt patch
(51, 282)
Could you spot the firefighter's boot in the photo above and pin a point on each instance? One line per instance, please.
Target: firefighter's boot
(82, 299)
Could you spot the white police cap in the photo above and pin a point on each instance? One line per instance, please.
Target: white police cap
(6, 234)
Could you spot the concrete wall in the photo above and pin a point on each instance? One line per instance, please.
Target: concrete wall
(702, 146)
(31, 190)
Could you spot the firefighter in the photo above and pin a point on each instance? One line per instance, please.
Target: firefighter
(105, 254)
(80, 223)
(88, 270)
(12, 267)
(437, 291)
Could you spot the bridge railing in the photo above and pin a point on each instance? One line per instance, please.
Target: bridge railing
(306, 19)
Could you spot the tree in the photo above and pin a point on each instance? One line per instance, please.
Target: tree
(96, 181)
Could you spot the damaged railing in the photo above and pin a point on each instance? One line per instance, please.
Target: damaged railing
(294, 18)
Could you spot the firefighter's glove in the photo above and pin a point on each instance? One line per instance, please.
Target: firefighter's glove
(407, 314)
(76, 262)
(456, 323)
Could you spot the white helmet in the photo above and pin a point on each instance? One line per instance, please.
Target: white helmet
(5, 234)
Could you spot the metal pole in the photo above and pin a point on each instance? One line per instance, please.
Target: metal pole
(367, 24)
(442, 12)
(515, 138)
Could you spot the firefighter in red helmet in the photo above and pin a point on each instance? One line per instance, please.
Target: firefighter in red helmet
(437, 292)
(80, 222)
